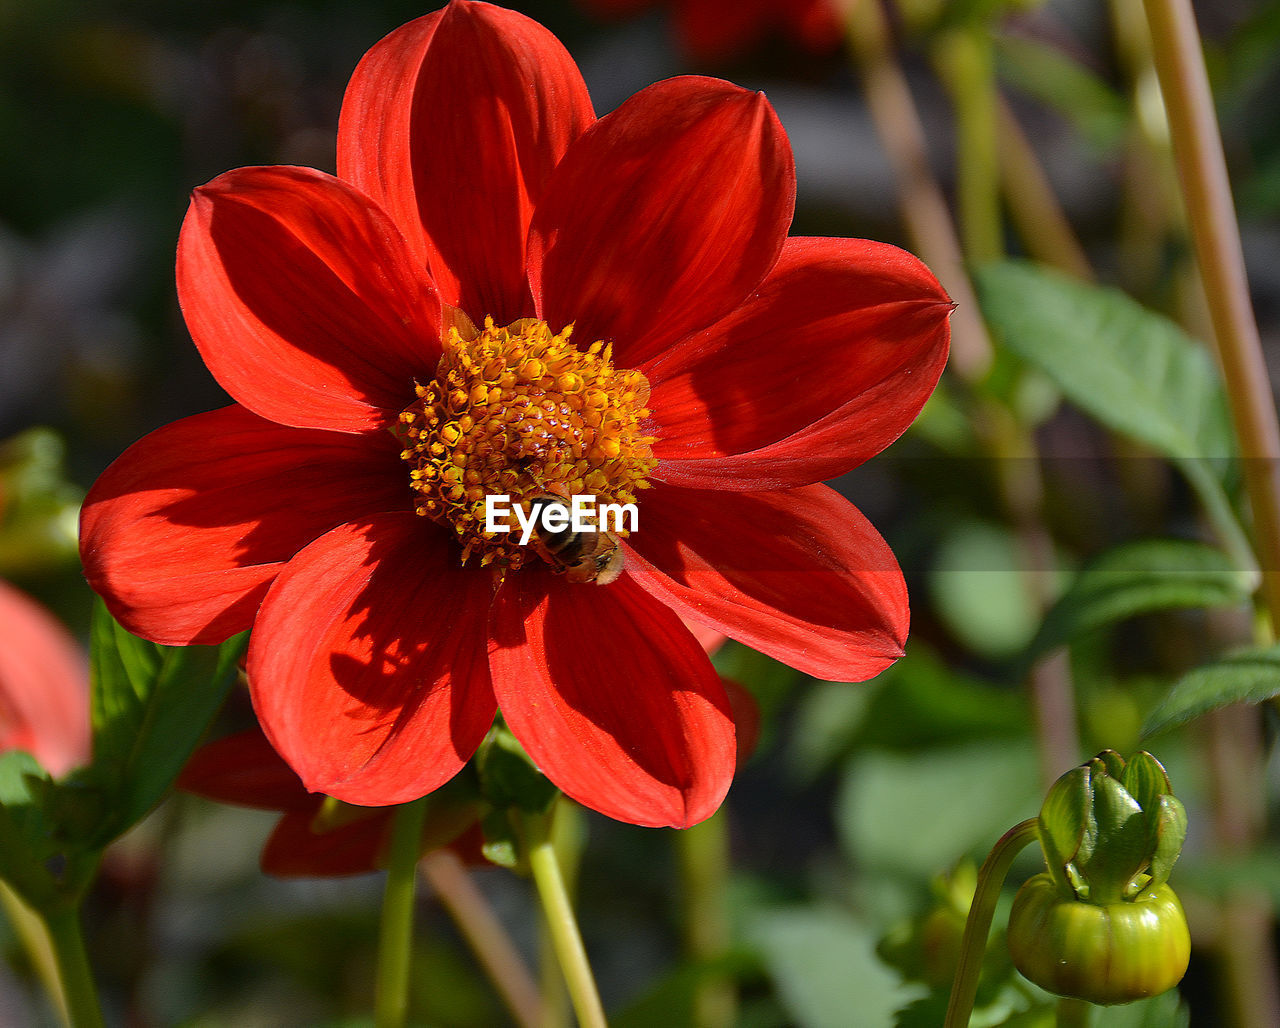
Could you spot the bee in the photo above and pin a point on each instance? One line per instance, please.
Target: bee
(579, 556)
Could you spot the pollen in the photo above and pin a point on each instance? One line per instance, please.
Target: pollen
(523, 412)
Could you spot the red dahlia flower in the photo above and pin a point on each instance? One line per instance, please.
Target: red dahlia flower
(717, 371)
(44, 686)
(712, 30)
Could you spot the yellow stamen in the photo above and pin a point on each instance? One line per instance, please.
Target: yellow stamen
(523, 412)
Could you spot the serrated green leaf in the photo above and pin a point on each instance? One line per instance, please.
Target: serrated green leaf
(1133, 370)
(1138, 578)
(1250, 676)
(150, 705)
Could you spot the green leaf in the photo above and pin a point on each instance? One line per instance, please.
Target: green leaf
(1164, 1011)
(508, 777)
(981, 590)
(150, 705)
(1138, 578)
(26, 841)
(1250, 676)
(825, 966)
(1133, 370)
(913, 813)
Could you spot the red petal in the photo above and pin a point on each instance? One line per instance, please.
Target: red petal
(304, 300)
(454, 124)
(296, 850)
(244, 769)
(367, 662)
(184, 532)
(826, 364)
(44, 686)
(613, 698)
(663, 216)
(800, 575)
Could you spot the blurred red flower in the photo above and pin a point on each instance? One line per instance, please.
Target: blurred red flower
(44, 686)
(712, 30)
(337, 506)
(316, 836)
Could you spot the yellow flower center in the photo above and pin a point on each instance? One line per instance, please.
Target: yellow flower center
(520, 412)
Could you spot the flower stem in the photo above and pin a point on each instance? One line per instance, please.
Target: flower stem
(34, 935)
(492, 946)
(973, 946)
(920, 198)
(561, 923)
(966, 65)
(704, 868)
(1202, 169)
(1033, 208)
(395, 944)
(79, 997)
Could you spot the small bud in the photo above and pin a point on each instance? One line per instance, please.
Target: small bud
(1102, 924)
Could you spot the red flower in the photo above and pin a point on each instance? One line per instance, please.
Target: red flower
(712, 30)
(316, 836)
(337, 506)
(44, 686)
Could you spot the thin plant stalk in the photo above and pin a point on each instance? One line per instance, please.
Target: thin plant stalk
(75, 979)
(920, 198)
(1033, 208)
(489, 941)
(561, 923)
(973, 946)
(966, 64)
(704, 871)
(395, 944)
(1248, 948)
(34, 935)
(1202, 170)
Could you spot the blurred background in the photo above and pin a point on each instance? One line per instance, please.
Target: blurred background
(112, 110)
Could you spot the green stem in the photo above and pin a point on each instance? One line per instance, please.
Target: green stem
(966, 64)
(34, 935)
(974, 944)
(561, 923)
(476, 920)
(1202, 170)
(704, 869)
(395, 943)
(920, 199)
(79, 997)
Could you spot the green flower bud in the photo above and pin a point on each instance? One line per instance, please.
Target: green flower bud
(1113, 953)
(1101, 924)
